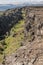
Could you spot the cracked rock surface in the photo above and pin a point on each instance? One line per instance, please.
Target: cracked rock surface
(31, 53)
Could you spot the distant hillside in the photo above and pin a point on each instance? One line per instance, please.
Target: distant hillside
(4, 7)
(9, 6)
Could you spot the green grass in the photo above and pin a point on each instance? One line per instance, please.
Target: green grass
(1, 58)
(2, 47)
(23, 14)
(1, 13)
(18, 27)
(13, 43)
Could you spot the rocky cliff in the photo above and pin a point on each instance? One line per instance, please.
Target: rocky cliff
(23, 36)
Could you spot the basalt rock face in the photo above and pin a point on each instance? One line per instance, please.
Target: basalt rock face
(31, 53)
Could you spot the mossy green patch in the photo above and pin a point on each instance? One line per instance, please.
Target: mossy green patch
(1, 58)
(1, 13)
(13, 43)
(18, 27)
(23, 13)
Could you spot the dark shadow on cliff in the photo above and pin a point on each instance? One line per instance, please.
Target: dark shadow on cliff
(8, 21)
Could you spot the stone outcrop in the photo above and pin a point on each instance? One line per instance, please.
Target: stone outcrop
(31, 53)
